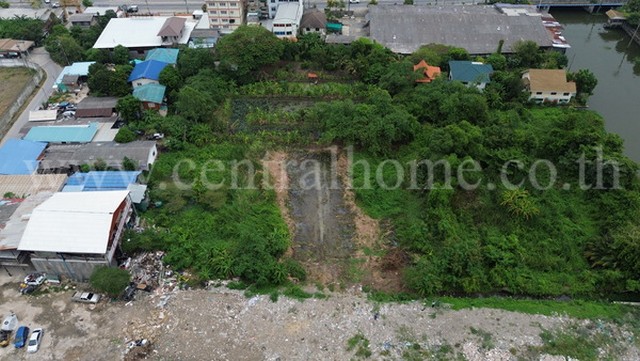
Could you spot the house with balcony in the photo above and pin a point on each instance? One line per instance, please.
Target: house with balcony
(226, 15)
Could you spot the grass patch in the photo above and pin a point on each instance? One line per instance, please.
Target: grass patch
(297, 293)
(579, 343)
(577, 309)
(12, 82)
(361, 344)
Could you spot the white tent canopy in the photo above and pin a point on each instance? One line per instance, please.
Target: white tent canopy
(72, 222)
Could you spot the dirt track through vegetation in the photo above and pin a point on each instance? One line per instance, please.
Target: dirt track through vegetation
(324, 223)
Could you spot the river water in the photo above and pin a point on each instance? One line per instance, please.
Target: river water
(609, 56)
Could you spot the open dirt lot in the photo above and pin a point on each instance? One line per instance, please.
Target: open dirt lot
(222, 324)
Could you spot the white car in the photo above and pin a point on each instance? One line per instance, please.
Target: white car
(34, 340)
(354, 1)
(85, 297)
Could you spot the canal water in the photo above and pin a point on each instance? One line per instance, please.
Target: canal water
(609, 56)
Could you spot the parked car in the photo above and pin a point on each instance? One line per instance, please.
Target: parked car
(354, 1)
(55, 5)
(132, 9)
(85, 297)
(22, 335)
(69, 113)
(47, 1)
(35, 340)
(35, 279)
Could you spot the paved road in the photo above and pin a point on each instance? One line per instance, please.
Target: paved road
(40, 57)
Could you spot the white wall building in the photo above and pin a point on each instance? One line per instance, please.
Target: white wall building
(225, 15)
(287, 20)
(549, 86)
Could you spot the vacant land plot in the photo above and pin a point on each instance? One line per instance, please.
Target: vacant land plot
(12, 81)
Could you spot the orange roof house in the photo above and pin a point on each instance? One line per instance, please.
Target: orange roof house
(429, 72)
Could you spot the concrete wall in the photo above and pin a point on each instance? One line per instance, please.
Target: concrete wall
(78, 270)
(6, 115)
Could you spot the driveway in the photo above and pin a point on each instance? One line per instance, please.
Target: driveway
(40, 57)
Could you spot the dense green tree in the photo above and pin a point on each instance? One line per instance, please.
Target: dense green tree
(105, 82)
(527, 54)
(129, 107)
(497, 61)
(585, 80)
(64, 49)
(171, 78)
(191, 61)
(246, 50)
(125, 135)
(194, 105)
(120, 55)
(22, 28)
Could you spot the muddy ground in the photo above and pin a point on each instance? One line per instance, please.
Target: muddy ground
(223, 324)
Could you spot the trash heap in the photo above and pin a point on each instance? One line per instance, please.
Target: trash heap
(146, 270)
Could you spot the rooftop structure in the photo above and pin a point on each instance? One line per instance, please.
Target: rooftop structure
(63, 133)
(20, 156)
(13, 12)
(119, 32)
(101, 10)
(23, 186)
(287, 20)
(169, 56)
(17, 46)
(172, 27)
(92, 107)
(429, 72)
(73, 222)
(78, 69)
(66, 157)
(149, 69)
(478, 29)
(101, 181)
(43, 115)
(544, 80)
(151, 93)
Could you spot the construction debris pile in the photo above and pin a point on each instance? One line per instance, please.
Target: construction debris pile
(146, 270)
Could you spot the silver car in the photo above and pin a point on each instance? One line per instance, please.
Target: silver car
(35, 340)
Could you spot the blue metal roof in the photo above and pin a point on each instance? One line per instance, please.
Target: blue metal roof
(20, 156)
(63, 133)
(101, 181)
(169, 56)
(470, 72)
(149, 69)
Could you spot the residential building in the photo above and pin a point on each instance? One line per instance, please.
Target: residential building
(83, 20)
(96, 107)
(95, 181)
(476, 28)
(226, 15)
(151, 95)
(549, 86)
(25, 192)
(63, 134)
(72, 75)
(470, 73)
(73, 233)
(272, 6)
(19, 156)
(165, 55)
(286, 23)
(67, 158)
(172, 30)
(10, 48)
(314, 21)
(429, 73)
(146, 72)
(141, 34)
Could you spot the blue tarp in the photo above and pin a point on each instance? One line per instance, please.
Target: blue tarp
(20, 156)
(101, 181)
(149, 69)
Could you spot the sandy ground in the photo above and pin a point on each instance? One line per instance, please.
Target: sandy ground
(222, 324)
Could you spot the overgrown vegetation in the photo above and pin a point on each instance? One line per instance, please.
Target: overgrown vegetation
(492, 238)
(109, 280)
(360, 344)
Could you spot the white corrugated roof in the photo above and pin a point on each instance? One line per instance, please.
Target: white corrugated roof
(72, 222)
(137, 33)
